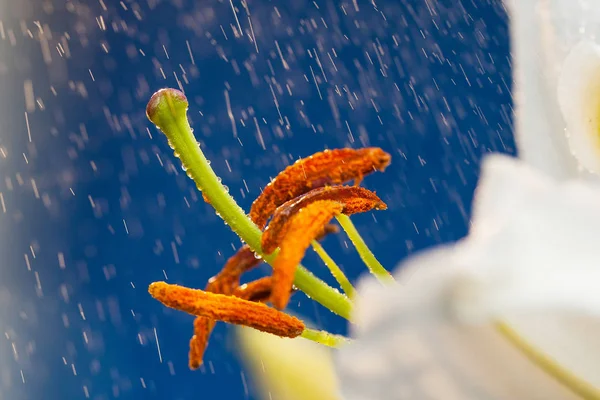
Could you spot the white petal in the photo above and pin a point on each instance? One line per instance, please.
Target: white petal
(408, 346)
(429, 270)
(579, 97)
(534, 242)
(531, 259)
(498, 191)
(570, 339)
(533, 246)
(539, 127)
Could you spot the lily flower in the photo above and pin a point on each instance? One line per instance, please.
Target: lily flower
(509, 312)
(513, 309)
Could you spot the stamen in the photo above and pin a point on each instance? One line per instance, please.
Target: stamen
(329, 167)
(228, 309)
(202, 329)
(355, 200)
(226, 282)
(327, 230)
(302, 228)
(229, 278)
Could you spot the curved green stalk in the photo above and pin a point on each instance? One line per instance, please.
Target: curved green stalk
(336, 271)
(364, 252)
(167, 109)
(324, 338)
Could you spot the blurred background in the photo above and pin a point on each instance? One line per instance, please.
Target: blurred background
(94, 207)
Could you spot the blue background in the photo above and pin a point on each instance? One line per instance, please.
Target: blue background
(98, 186)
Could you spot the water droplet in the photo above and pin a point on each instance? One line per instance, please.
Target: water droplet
(257, 256)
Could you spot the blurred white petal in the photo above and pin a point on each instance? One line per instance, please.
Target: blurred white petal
(579, 98)
(533, 244)
(288, 369)
(555, 68)
(530, 259)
